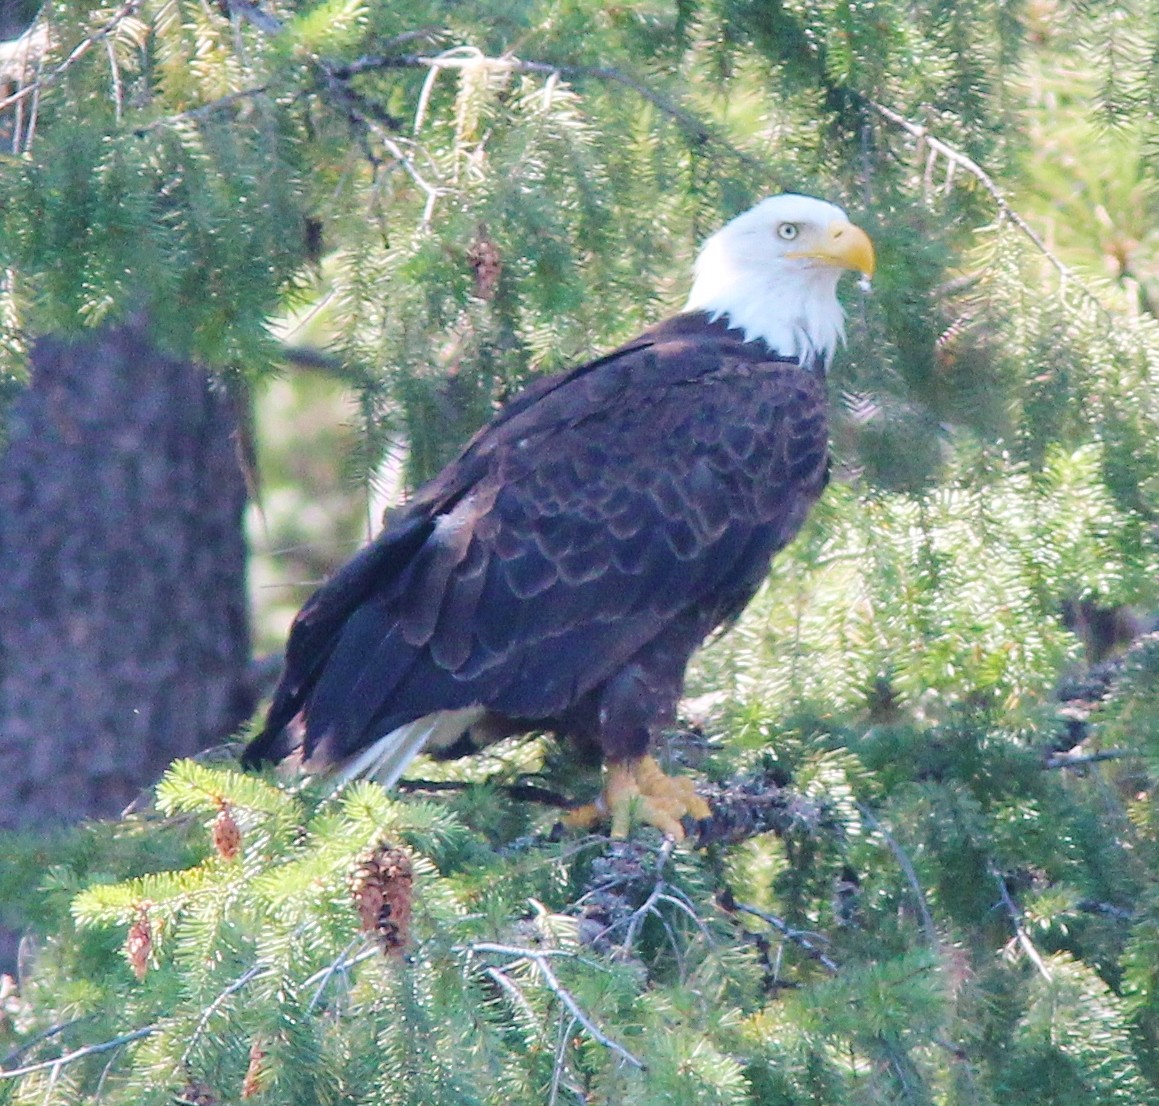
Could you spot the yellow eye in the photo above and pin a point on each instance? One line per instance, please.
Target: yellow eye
(788, 231)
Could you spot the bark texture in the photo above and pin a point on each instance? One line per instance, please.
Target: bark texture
(123, 618)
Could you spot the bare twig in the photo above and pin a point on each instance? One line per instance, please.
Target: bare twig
(573, 1007)
(1076, 760)
(908, 871)
(567, 1024)
(215, 1005)
(1020, 934)
(99, 1090)
(115, 71)
(511, 989)
(517, 951)
(521, 792)
(17, 59)
(340, 966)
(798, 938)
(566, 1028)
(636, 919)
(370, 952)
(371, 119)
(540, 959)
(81, 1053)
(40, 1038)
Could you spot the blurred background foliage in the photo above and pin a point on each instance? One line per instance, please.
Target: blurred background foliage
(383, 220)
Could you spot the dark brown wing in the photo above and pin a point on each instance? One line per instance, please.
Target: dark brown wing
(574, 529)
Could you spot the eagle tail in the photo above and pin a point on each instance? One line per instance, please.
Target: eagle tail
(386, 759)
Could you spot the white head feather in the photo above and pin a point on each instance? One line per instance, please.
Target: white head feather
(773, 272)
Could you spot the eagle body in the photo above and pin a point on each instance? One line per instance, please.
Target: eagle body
(560, 573)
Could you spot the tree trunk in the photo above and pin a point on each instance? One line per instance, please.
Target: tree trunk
(123, 618)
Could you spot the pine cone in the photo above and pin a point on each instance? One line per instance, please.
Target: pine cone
(382, 886)
(255, 1074)
(139, 943)
(225, 833)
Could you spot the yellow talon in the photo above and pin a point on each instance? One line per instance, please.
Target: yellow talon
(639, 790)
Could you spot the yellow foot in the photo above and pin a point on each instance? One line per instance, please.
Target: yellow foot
(639, 790)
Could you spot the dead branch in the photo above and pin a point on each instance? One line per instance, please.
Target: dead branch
(753, 804)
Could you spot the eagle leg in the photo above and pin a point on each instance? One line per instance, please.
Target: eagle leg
(638, 790)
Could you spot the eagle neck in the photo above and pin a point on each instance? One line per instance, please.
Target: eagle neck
(720, 325)
(792, 308)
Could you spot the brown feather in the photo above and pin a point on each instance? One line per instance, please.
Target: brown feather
(561, 572)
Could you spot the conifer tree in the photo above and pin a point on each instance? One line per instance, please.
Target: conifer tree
(930, 744)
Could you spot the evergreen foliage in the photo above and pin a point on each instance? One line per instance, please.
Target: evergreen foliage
(959, 903)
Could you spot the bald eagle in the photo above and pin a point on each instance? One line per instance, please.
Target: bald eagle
(559, 574)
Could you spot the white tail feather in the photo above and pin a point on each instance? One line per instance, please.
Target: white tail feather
(388, 757)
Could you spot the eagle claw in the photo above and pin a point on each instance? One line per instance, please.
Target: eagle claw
(638, 790)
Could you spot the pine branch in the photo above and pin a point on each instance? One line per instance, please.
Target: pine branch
(81, 1053)
(519, 792)
(83, 47)
(307, 357)
(252, 973)
(539, 958)
(754, 804)
(743, 807)
(957, 159)
(1106, 909)
(695, 127)
(692, 125)
(205, 111)
(800, 939)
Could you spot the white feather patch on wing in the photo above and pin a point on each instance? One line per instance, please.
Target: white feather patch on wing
(388, 757)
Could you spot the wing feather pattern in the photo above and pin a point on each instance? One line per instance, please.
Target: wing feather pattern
(592, 513)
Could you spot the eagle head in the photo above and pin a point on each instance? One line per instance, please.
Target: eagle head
(773, 273)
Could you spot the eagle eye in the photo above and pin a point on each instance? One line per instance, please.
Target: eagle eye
(788, 231)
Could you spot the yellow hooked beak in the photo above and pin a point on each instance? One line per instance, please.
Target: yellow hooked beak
(844, 245)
